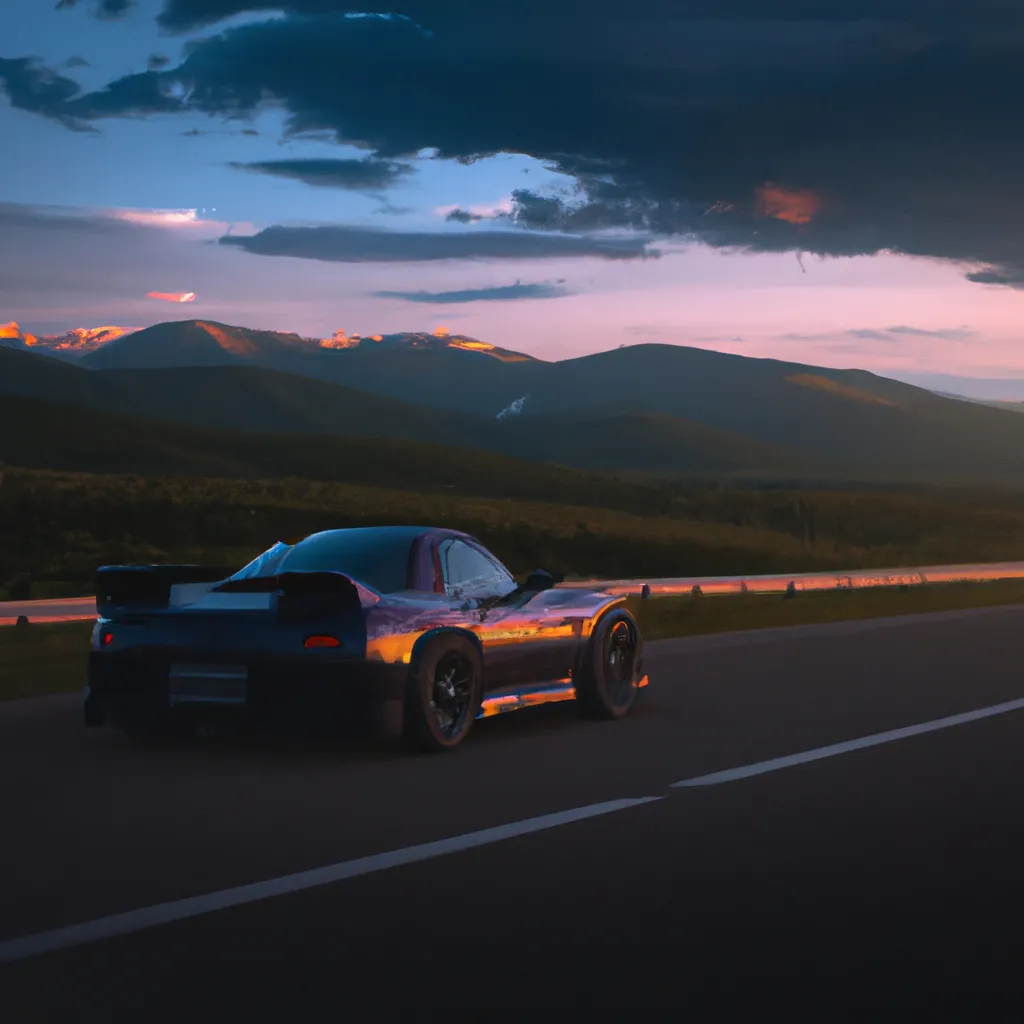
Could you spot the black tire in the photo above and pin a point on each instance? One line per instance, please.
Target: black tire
(445, 684)
(611, 667)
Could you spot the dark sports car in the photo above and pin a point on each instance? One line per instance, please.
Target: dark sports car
(423, 628)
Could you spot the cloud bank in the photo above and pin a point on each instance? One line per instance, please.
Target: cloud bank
(834, 127)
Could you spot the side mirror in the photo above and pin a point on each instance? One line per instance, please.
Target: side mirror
(539, 579)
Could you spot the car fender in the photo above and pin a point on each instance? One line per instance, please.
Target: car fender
(424, 638)
(590, 625)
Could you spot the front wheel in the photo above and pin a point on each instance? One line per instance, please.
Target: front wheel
(609, 676)
(443, 695)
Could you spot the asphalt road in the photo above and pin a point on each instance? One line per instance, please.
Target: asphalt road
(883, 875)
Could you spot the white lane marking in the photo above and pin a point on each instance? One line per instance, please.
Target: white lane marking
(762, 767)
(26, 946)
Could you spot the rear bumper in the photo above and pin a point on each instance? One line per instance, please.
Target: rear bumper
(314, 690)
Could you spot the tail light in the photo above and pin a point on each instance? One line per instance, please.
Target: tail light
(321, 641)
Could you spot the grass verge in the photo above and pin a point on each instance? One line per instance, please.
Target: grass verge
(665, 617)
(50, 658)
(44, 658)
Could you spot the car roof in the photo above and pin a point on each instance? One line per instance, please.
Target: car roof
(397, 533)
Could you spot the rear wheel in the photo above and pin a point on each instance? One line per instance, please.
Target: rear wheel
(443, 695)
(609, 675)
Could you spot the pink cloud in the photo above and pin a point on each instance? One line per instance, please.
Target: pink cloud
(172, 296)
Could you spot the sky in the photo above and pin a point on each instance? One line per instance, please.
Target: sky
(835, 182)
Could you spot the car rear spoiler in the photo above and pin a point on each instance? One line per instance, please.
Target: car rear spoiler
(304, 595)
(139, 588)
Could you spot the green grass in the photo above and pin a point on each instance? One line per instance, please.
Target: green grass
(57, 527)
(51, 658)
(665, 617)
(44, 658)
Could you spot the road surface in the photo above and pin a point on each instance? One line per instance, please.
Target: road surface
(883, 872)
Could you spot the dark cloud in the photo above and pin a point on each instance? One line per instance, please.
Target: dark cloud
(460, 216)
(1013, 276)
(836, 129)
(179, 15)
(76, 61)
(389, 209)
(147, 93)
(39, 90)
(105, 10)
(503, 293)
(157, 61)
(358, 175)
(110, 10)
(366, 245)
(194, 133)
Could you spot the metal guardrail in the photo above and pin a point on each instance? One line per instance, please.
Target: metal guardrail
(75, 609)
(779, 583)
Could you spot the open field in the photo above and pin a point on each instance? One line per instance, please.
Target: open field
(44, 658)
(665, 617)
(50, 658)
(56, 528)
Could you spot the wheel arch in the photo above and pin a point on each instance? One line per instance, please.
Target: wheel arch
(441, 631)
(591, 625)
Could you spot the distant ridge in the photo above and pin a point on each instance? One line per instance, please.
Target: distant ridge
(208, 343)
(659, 409)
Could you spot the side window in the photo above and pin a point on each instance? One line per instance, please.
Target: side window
(470, 573)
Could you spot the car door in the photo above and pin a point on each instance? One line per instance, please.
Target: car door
(523, 642)
(472, 581)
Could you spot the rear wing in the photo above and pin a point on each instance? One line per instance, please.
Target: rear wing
(305, 595)
(142, 588)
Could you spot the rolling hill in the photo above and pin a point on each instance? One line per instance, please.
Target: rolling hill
(231, 397)
(661, 409)
(255, 400)
(39, 434)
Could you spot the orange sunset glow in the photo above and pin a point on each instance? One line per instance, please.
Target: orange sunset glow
(794, 207)
(87, 337)
(233, 341)
(74, 340)
(340, 340)
(12, 332)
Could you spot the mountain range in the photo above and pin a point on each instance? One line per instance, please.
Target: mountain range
(649, 409)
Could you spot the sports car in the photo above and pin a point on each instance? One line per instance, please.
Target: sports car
(422, 628)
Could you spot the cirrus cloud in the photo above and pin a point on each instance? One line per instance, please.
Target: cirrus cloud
(501, 293)
(172, 296)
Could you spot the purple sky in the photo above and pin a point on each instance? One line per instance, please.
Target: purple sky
(592, 229)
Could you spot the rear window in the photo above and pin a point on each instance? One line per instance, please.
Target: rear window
(379, 560)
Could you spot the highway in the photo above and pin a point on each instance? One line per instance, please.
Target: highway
(879, 873)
